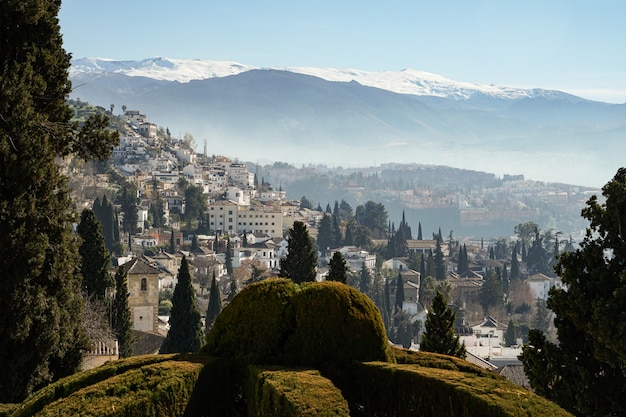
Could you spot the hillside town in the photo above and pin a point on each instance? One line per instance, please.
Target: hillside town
(241, 236)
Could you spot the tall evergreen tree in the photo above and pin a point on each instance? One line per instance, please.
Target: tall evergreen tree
(490, 294)
(439, 330)
(440, 263)
(515, 268)
(349, 238)
(338, 269)
(300, 263)
(128, 199)
(365, 279)
(430, 264)
(336, 232)
(122, 324)
(509, 336)
(215, 304)
(229, 258)
(325, 234)
(586, 372)
(419, 231)
(399, 292)
(41, 337)
(95, 258)
(185, 334)
(172, 241)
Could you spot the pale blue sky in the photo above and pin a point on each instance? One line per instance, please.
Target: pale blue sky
(578, 46)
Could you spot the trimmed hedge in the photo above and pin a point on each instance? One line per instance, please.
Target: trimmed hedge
(386, 389)
(156, 385)
(274, 392)
(335, 326)
(323, 324)
(256, 323)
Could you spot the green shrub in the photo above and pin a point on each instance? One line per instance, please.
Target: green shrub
(335, 325)
(157, 389)
(256, 323)
(399, 390)
(323, 324)
(274, 392)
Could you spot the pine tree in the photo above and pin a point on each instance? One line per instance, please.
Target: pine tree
(41, 337)
(300, 263)
(95, 258)
(399, 292)
(215, 304)
(185, 334)
(439, 330)
(585, 373)
(122, 324)
(338, 269)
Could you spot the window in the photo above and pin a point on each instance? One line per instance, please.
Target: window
(144, 284)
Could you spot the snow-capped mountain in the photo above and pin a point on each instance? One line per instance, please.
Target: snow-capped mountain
(407, 81)
(352, 117)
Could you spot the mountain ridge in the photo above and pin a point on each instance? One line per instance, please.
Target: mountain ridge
(281, 115)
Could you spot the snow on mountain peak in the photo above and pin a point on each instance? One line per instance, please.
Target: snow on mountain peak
(406, 81)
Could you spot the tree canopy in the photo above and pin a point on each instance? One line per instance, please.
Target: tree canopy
(338, 270)
(95, 258)
(41, 338)
(300, 263)
(439, 330)
(185, 334)
(586, 372)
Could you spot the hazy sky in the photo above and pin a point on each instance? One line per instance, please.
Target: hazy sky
(570, 45)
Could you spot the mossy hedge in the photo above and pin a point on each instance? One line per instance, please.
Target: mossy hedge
(324, 325)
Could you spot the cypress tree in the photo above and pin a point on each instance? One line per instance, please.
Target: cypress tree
(122, 324)
(172, 241)
(440, 266)
(300, 263)
(365, 279)
(338, 270)
(509, 337)
(185, 334)
(215, 305)
(399, 292)
(229, 258)
(419, 231)
(41, 337)
(439, 330)
(95, 258)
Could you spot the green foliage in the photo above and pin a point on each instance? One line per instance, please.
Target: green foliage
(253, 325)
(491, 294)
(276, 321)
(399, 292)
(402, 390)
(439, 335)
(298, 392)
(324, 234)
(146, 385)
(338, 269)
(95, 258)
(300, 262)
(128, 202)
(509, 337)
(373, 216)
(585, 372)
(215, 304)
(122, 324)
(185, 334)
(41, 338)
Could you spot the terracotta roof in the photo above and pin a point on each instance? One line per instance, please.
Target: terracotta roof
(139, 267)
